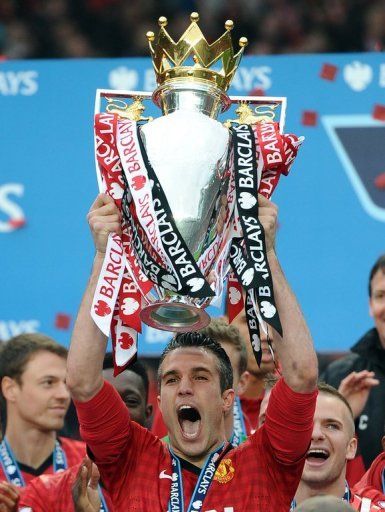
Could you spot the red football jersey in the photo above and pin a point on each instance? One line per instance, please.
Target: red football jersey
(370, 485)
(261, 474)
(52, 493)
(250, 410)
(158, 428)
(74, 451)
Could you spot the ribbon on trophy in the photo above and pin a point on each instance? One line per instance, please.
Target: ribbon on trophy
(152, 255)
(112, 302)
(261, 155)
(151, 250)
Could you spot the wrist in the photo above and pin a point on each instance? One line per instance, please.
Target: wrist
(98, 262)
(99, 255)
(271, 254)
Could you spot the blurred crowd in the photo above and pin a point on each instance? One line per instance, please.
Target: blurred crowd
(42, 29)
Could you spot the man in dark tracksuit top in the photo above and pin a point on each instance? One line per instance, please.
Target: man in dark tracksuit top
(368, 354)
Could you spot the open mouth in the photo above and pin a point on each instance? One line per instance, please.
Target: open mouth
(189, 421)
(317, 455)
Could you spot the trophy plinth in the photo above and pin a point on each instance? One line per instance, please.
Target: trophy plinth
(175, 314)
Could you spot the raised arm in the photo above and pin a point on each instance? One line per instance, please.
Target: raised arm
(295, 350)
(88, 343)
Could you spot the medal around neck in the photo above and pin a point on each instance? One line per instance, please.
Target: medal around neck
(185, 188)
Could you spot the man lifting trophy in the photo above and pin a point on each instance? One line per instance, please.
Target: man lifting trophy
(187, 186)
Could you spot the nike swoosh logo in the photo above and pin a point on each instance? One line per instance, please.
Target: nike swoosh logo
(163, 474)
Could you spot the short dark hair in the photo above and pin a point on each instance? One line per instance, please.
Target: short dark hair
(17, 352)
(200, 340)
(379, 264)
(220, 331)
(137, 367)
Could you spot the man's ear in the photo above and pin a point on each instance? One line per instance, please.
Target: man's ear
(243, 382)
(383, 443)
(370, 308)
(8, 388)
(148, 412)
(351, 449)
(228, 399)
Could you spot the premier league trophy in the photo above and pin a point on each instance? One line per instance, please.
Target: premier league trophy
(187, 186)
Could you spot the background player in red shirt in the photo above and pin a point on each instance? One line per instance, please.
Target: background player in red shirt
(372, 484)
(139, 470)
(333, 443)
(53, 493)
(32, 372)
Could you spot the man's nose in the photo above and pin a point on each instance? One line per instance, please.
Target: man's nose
(318, 433)
(62, 391)
(185, 386)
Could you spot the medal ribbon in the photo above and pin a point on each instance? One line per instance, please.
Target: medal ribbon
(11, 467)
(176, 503)
(14, 475)
(239, 429)
(103, 504)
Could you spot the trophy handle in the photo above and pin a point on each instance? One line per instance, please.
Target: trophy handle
(116, 104)
(272, 102)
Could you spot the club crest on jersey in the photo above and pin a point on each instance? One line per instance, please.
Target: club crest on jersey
(225, 471)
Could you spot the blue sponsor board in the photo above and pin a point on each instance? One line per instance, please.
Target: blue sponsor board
(332, 205)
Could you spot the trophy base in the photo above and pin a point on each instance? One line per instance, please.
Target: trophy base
(174, 316)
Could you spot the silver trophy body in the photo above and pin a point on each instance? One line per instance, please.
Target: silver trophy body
(188, 149)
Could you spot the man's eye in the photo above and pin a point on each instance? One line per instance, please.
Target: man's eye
(171, 380)
(132, 403)
(201, 377)
(333, 426)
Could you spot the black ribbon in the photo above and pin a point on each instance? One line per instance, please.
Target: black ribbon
(149, 266)
(248, 256)
(193, 282)
(185, 277)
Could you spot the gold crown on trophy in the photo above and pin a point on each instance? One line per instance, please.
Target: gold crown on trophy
(168, 56)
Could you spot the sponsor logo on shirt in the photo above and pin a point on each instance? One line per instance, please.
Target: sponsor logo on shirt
(225, 471)
(163, 474)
